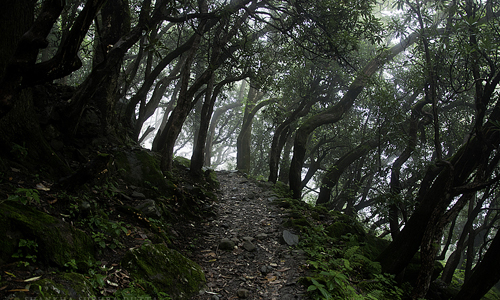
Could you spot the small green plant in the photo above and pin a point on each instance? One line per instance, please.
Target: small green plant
(25, 196)
(320, 287)
(150, 185)
(105, 232)
(72, 265)
(100, 238)
(40, 290)
(163, 296)
(27, 251)
(20, 152)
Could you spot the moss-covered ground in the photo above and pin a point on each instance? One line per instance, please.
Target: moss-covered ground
(60, 242)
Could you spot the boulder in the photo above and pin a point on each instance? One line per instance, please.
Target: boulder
(149, 209)
(57, 242)
(60, 286)
(141, 168)
(165, 271)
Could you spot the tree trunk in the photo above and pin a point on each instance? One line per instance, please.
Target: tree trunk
(141, 95)
(21, 138)
(284, 169)
(113, 23)
(485, 275)
(16, 17)
(244, 142)
(337, 111)
(332, 176)
(211, 132)
(395, 184)
(198, 158)
(470, 156)
(217, 58)
(455, 258)
(282, 132)
(21, 39)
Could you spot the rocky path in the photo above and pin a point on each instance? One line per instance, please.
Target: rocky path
(240, 249)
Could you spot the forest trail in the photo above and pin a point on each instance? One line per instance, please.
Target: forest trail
(255, 265)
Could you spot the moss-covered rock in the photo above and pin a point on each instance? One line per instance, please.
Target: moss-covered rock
(141, 168)
(61, 286)
(57, 242)
(164, 270)
(345, 225)
(179, 160)
(297, 223)
(65, 286)
(211, 178)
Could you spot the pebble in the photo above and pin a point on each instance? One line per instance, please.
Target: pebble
(266, 269)
(226, 244)
(249, 246)
(138, 195)
(243, 293)
(261, 236)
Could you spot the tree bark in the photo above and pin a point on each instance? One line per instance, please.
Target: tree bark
(114, 22)
(337, 111)
(198, 156)
(244, 142)
(467, 159)
(20, 40)
(485, 275)
(211, 132)
(185, 100)
(332, 176)
(282, 132)
(395, 184)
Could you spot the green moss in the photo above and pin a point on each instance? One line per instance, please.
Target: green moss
(142, 168)
(58, 242)
(64, 286)
(211, 178)
(182, 161)
(282, 190)
(132, 293)
(165, 270)
(297, 223)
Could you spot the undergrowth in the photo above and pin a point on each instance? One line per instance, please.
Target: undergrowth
(338, 262)
(342, 271)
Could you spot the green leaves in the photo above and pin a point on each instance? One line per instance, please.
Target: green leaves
(25, 196)
(27, 251)
(320, 287)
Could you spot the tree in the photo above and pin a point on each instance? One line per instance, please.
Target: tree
(252, 106)
(336, 112)
(485, 275)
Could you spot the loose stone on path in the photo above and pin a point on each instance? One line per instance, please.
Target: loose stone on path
(244, 251)
(290, 238)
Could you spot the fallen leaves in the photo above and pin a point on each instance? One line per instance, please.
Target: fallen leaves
(32, 279)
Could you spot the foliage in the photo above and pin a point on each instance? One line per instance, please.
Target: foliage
(27, 251)
(339, 261)
(104, 232)
(25, 196)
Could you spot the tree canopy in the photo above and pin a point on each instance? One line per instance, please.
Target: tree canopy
(387, 111)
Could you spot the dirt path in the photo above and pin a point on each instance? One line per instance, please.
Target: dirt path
(258, 266)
